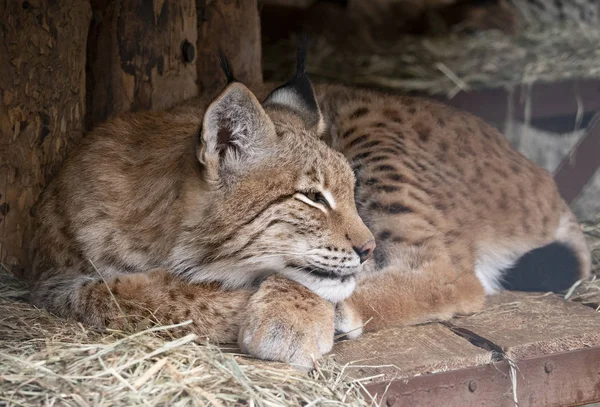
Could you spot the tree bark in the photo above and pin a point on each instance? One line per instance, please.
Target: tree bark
(233, 26)
(42, 107)
(141, 55)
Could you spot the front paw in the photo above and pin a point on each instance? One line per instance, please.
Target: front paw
(286, 322)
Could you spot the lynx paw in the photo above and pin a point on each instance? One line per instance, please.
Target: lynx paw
(348, 321)
(286, 322)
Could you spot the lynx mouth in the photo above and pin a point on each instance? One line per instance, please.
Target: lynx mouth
(327, 284)
(326, 274)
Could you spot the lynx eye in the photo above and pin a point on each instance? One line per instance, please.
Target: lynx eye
(317, 197)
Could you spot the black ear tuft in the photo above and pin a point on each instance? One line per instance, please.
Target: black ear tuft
(226, 66)
(301, 55)
(298, 94)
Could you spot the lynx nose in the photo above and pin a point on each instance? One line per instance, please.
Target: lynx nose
(365, 251)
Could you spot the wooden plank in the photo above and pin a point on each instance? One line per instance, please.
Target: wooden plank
(526, 325)
(545, 99)
(578, 168)
(565, 379)
(404, 352)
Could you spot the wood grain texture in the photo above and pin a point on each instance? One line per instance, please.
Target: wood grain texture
(563, 379)
(288, 3)
(527, 325)
(234, 26)
(42, 107)
(136, 59)
(404, 352)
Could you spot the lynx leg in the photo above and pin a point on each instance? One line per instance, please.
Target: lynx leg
(156, 295)
(428, 286)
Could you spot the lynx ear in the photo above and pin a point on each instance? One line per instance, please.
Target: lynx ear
(235, 135)
(298, 95)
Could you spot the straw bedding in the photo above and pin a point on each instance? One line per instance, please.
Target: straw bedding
(447, 64)
(48, 361)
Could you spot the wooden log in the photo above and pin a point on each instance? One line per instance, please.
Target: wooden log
(42, 107)
(400, 353)
(561, 379)
(141, 55)
(233, 26)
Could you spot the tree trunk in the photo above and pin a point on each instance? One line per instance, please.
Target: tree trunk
(42, 107)
(234, 26)
(141, 55)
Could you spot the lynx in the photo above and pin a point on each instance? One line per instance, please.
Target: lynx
(277, 223)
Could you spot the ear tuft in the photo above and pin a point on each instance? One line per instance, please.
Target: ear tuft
(298, 94)
(301, 55)
(226, 66)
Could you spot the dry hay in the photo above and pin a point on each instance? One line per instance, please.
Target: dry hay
(592, 234)
(48, 361)
(588, 291)
(448, 64)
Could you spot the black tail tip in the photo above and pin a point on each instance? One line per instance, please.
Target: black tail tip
(554, 267)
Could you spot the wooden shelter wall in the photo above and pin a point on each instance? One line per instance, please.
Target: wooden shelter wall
(68, 65)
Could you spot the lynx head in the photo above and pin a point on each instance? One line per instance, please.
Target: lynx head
(280, 199)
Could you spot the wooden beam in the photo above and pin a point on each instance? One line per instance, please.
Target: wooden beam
(544, 99)
(563, 379)
(578, 168)
(553, 346)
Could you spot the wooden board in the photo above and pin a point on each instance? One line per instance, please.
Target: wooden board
(536, 101)
(544, 348)
(527, 325)
(404, 352)
(564, 379)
